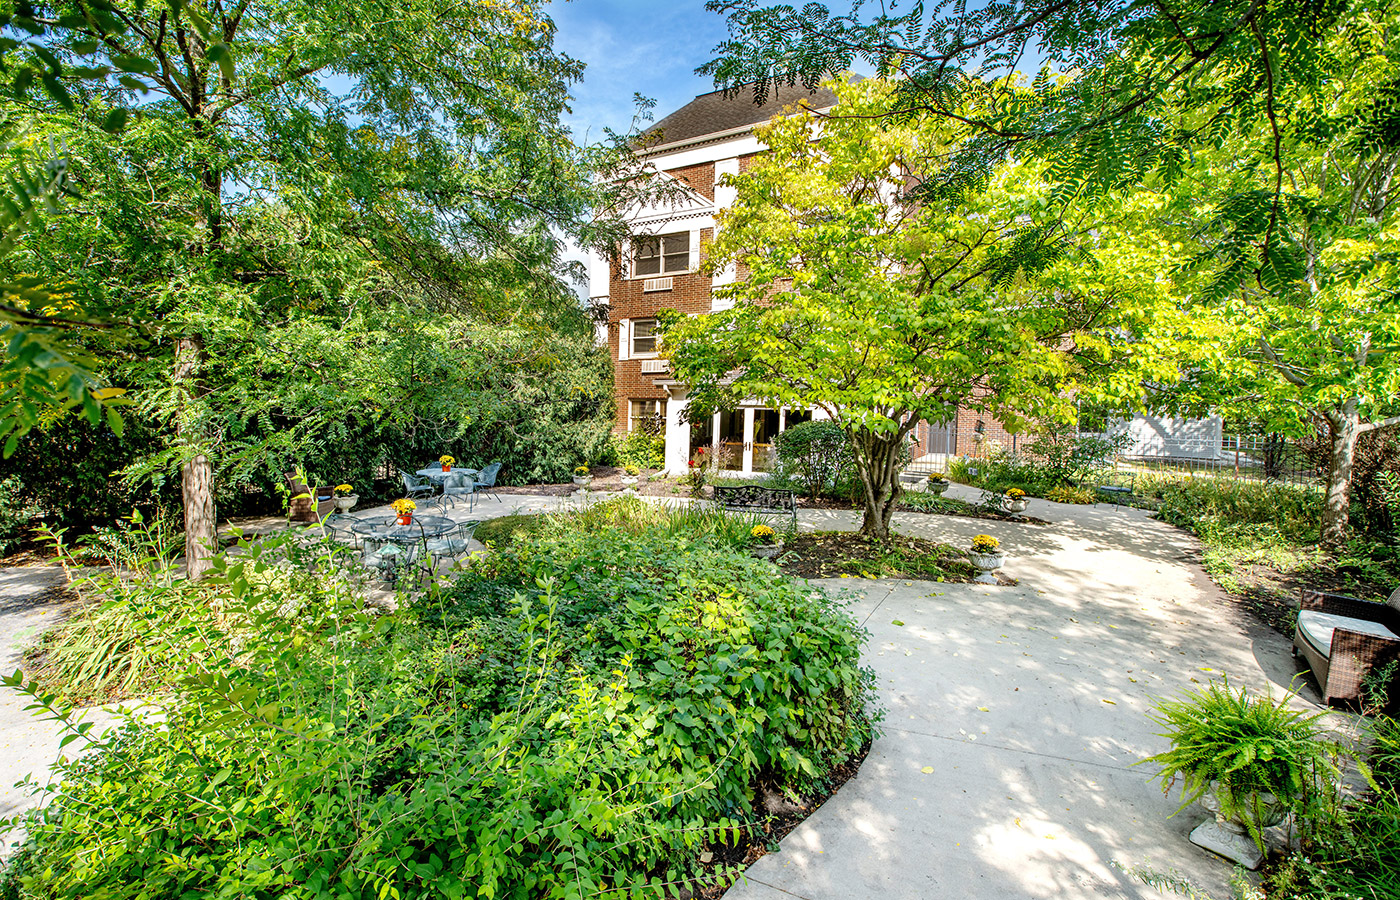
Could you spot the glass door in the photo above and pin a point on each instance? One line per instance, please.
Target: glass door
(765, 429)
(731, 440)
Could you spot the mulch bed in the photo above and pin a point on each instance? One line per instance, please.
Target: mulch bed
(758, 841)
(834, 554)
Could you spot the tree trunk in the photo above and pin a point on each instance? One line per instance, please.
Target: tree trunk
(197, 473)
(877, 459)
(1345, 427)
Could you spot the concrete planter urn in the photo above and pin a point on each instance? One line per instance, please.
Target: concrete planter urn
(988, 563)
(767, 551)
(1014, 504)
(583, 481)
(630, 481)
(937, 485)
(347, 503)
(1229, 836)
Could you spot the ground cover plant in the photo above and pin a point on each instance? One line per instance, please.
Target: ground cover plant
(579, 715)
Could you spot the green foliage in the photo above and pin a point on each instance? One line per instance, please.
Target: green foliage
(504, 529)
(575, 717)
(1063, 457)
(1351, 850)
(1228, 510)
(641, 448)
(15, 513)
(815, 454)
(1242, 748)
(1068, 493)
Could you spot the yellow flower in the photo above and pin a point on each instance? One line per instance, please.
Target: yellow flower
(762, 532)
(581, 471)
(343, 489)
(1015, 493)
(446, 460)
(985, 543)
(403, 506)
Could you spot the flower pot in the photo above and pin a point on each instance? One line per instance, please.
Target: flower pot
(406, 518)
(583, 481)
(347, 503)
(767, 551)
(988, 563)
(1230, 837)
(937, 487)
(1014, 504)
(447, 467)
(629, 480)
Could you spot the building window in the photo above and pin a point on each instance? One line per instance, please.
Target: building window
(661, 254)
(643, 337)
(648, 416)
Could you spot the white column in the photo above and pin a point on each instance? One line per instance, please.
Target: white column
(748, 439)
(677, 434)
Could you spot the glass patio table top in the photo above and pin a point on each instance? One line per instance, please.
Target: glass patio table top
(387, 528)
(435, 473)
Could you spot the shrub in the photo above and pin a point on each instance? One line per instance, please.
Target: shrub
(15, 513)
(641, 447)
(1226, 509)
(574, 717)
(1060, 456)
(816, 454)
(1068, 493)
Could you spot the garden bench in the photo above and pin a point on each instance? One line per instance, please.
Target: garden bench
(1345, 639)
(1116, 484)
(758, 500)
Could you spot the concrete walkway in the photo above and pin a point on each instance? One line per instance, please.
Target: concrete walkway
(30, 603)
(1015, 715)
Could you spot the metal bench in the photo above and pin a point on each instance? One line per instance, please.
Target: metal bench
(758, 500)
(1116, 484)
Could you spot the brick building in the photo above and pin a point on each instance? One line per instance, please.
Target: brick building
(693, 148)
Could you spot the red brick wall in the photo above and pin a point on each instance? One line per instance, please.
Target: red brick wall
(699, 178)
(689, 293)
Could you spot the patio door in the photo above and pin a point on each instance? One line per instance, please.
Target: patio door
(731, 440)
(765, 429)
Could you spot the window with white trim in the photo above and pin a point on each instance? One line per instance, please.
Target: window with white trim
(648, 416)
(643, 338)
(663, 254)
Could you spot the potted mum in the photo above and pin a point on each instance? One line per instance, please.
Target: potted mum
(344, 499)
(766, 543)
(447, 462)
(404, 508)
(582, 477)
(630, 474)
(986, 555)
(1249, 760)
(937, 484)
(1014, 501)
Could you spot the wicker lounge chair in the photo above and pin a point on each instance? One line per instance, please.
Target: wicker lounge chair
(308, 504)
(1343, 639)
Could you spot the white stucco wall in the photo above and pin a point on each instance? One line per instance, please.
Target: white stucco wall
(1171, 438)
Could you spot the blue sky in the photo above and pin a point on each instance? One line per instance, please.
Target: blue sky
(649, 47)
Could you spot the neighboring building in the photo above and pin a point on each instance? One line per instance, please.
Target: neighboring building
(694, 147)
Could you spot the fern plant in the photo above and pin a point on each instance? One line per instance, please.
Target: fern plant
(1243, 749)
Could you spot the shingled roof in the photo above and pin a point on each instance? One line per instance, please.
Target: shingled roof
(713, 112)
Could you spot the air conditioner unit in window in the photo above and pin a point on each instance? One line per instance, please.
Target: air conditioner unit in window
(656, 284)
(655, 366)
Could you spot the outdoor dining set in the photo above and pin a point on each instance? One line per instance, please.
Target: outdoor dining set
(400, 546)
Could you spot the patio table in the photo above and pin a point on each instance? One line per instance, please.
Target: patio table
(387, 529)
(436, 474)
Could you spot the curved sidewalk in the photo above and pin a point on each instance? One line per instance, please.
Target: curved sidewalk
(1015, 714)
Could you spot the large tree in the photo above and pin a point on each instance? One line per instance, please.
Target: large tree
(1290, 240)
(863, 295)
(282, 160)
